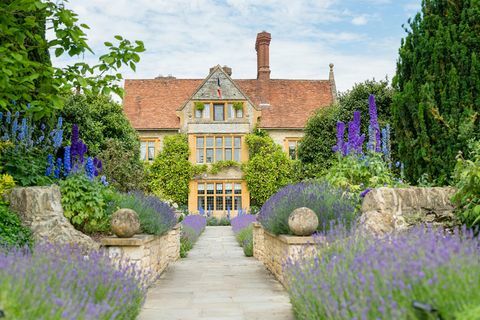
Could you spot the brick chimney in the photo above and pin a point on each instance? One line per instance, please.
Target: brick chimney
(262, 46)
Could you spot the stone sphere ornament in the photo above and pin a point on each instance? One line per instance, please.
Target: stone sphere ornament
(303, 221)
(125, 223)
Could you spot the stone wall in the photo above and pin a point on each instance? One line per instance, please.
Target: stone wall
(40, 209)
(385, 210)
(152, 254)
(274, 251)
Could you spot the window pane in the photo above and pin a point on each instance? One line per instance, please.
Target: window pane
(219, 142)
(228, 188)
(228, 141)
(238, 142)
(228, 203)
(210, 203)
(219, 188)
(201, 188)
(228, 154)
(230, 111)
(238, 203)
(206, 111)
(199, 142)
(236, 155)
(292, 149)
(238, 188)
(219, 203)
(151, 152)
(209, 155)
(198, 113)
(210, 188)
(200, 155)
(219, 155)
(239, 113)
(143, 150)
(218, 110)
(209, 142)
(201, 203)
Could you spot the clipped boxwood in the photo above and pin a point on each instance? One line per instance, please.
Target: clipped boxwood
(329, 203)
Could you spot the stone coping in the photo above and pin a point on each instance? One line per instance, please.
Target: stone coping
(135, 241)
(289, 239)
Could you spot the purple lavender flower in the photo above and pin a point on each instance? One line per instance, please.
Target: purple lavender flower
(241, 222)
(192, 226)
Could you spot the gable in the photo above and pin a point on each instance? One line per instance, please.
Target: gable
(218, 86)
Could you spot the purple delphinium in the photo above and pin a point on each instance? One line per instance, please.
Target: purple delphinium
(97, 163)
(386, 147)
(340, 146)
(375, 142)
(53, 282)
(364, 277)
(355, 139)
(242, 221)
(329, 203)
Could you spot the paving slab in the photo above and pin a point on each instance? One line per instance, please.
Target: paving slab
(217, 281)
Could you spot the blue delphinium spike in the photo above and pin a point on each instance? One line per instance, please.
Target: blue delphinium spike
(58, 168)
(48, 171)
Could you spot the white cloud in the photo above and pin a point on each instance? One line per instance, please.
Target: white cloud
(185, 38)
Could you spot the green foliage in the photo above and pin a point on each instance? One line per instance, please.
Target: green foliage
(185, 246)
(315, 149)
(213, 221)
(436, 107)
(245, 239)
(199, 105)
(26, 72)
(237, 105)
(467, 177)
(85, 203)
(122, 167)
(214, 167)
(171, 171)
(12, 232)
(26, 166)
(356, 174)
(6, 184)
(267, 170)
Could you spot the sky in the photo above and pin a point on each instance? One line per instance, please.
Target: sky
(185, 38)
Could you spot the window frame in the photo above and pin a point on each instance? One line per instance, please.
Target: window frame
(150, 142)
(232, 148)
(237, 199)
(289, 140)
(229, 113)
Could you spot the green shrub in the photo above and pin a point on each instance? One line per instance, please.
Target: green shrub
(245, 239)
(85, 203)
(213, 221)
(185, 246)
(356, 174)
(467, 177)
(171, 172)
(268, 169)
(12, 232)
(156, 217)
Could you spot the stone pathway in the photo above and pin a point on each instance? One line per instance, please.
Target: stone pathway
(216, 281)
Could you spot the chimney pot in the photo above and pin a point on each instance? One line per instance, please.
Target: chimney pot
(262, 46)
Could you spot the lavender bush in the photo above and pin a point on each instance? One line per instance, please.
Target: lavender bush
(192, 227)
(156, 217)
(362, 277)
(329, 204)
(54, 283)
(243, 229)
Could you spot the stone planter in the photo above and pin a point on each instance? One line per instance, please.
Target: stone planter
(274, 251)
(150, 253)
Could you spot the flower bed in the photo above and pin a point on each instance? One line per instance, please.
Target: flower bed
(243, 229)
(192, 227)
(61, 283)
(360, 276)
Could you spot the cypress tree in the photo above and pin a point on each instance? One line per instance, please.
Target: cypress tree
(436, 109)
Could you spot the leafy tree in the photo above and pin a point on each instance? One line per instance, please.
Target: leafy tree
(171, 171)
(315, 149)
(436, 107)
(268, 168)
(26, 73)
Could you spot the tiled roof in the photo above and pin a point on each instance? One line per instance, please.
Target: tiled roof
(152, 104)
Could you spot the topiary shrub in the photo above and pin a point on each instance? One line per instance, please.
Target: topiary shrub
(329, 203)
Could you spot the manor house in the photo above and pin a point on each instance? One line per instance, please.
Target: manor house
(216, 113)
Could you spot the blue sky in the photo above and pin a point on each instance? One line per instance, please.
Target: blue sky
(186, 38)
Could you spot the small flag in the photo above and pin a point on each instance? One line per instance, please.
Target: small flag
(219, 89)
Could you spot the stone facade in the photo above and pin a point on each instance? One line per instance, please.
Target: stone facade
(385, 210)
(40, 209)
(274, 251)
(152, 254)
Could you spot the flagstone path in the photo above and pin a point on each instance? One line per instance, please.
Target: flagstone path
(216, 281)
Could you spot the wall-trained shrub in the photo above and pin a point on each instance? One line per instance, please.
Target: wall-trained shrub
(156, 217)
(55, 283)
(329, 203)
(363, 277)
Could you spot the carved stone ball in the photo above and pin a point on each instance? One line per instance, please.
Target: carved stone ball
(125, 223)
(303, 221)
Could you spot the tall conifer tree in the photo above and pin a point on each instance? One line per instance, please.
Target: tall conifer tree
(436, 109)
